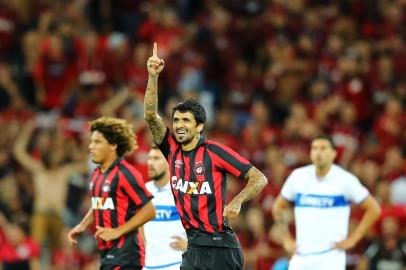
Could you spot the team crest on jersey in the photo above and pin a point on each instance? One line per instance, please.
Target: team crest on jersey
(199, 168)
(178, 163)
(106, 188)
(188, 187)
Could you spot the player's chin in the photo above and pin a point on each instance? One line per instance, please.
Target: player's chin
(95, 160)
(180, 139)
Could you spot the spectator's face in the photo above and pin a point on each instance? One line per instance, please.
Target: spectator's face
(157, 165)
(16, 236)
(383, 192)
(393, 107)
(3, 157)
(334, 44)
(260, 111)
(370, 173)
(140, 54)
(348, 113)
(322, 153)
(224, 120)
(53, 158)
(91, 41)
(390, 226)
(185, 127)
(100, 149)
(56, 46)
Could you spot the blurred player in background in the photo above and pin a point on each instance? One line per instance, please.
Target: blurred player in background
(164, 235)
(120, 202)
(321, 193)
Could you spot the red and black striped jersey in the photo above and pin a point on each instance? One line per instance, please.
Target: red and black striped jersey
(199, 181)
(116, 196)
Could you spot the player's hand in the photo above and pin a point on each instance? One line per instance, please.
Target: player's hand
(232, 210)
(107, 234)
(155, 64)
(74, 233)
(346, 244)
(179, 243)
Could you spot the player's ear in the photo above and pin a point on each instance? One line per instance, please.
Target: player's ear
(113, 147)
(334, 154)
(200, 127)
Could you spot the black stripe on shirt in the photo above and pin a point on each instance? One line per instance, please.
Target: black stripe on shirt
(230, 159)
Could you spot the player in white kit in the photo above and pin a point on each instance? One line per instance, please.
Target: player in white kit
(321, 194)
(164, 236)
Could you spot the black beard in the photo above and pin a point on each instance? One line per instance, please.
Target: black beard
(187, 141)
(158, 176)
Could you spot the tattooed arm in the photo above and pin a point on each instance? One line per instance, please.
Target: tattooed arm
(256, 182)
(155, 123)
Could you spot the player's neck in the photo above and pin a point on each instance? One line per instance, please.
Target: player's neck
(323, 171)
(162, 182)
(107, 163)
(192, 144)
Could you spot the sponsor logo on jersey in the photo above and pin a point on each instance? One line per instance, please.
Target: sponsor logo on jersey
(102, 203)
(178, 163)
(320, 201)
(166, 213)
(188, 187)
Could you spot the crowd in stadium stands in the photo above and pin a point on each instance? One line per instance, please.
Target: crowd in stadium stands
(271, 75)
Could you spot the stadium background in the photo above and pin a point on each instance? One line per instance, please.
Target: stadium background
(271, 75)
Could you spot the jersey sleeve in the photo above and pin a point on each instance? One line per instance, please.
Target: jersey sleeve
(133, 185)
(355, 191)
(288, 189)
(167, 144)
(230, 161)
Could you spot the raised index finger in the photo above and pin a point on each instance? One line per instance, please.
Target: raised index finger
(155, 50)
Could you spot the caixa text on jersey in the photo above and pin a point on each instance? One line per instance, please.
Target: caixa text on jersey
(188, 187)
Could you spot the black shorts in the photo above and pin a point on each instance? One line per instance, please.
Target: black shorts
(212, 258)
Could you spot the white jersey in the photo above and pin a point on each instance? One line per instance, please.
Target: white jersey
(322, 211)
(158, 232)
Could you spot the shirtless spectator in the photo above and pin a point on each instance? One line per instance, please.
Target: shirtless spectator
(50, 177)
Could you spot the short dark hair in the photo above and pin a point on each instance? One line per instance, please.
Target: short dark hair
(116, 131)
(191, 105)
(327, 138)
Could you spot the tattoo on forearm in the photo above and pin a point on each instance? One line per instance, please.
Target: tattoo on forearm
(155, 123)
(256, 182)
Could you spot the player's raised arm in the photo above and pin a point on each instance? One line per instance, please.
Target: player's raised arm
(155, 123)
